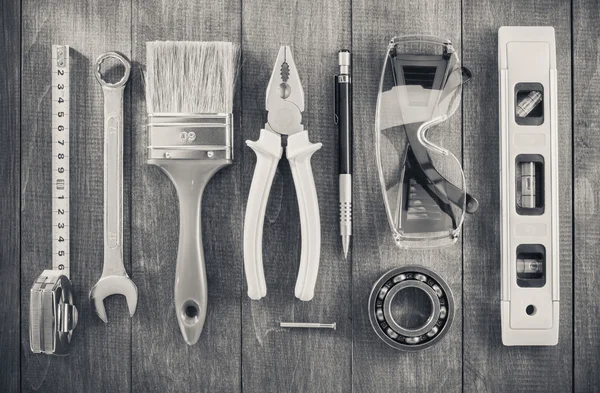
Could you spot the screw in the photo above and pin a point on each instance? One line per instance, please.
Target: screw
(192, 136)
(210, 154)
(167, 154)
(309, 325)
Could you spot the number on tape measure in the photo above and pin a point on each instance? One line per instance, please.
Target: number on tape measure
(60, 158)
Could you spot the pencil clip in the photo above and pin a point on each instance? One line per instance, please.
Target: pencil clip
(336, 108)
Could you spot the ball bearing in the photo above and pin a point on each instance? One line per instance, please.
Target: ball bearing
(438, 321)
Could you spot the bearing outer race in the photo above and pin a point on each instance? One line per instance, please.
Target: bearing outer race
(413, 269)
(431, 320)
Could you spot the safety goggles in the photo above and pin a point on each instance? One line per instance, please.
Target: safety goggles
(423, 183)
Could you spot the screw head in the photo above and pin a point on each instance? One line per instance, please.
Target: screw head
(210, 154)
(167, 154)
(192, 136)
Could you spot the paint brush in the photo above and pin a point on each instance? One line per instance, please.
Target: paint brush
(189, 95)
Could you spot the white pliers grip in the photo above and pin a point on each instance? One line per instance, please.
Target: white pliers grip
(299, 151)
(268, 153)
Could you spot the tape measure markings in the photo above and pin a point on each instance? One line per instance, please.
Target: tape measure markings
(60, 158)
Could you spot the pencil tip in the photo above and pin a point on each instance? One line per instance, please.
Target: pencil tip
(346, 245)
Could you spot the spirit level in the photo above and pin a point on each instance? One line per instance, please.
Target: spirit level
(528, 186)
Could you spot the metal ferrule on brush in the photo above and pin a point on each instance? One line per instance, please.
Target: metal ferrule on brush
(190, 136)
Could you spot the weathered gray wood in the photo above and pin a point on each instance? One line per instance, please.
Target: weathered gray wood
(162, 361)
(98, 361)
(242, 347)
(10, 128)
(295, 360)
(488, 365)
(377, 367)
(586, 97)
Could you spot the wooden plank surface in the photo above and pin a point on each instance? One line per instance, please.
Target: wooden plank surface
(586, 104)
(90, 28)
(296, 360)
(377, 367)
(242, 347)
(488, 365)
(161, 359)
(10, 194)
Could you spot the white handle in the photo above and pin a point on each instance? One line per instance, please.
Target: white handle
(299, 151)
(268, 153)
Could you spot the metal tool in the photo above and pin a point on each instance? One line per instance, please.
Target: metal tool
(308, 325)
(285, 104)
(436, 321)
(114, 279)
(52, 313)
(529, 215)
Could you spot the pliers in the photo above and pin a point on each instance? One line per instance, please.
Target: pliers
(285, 104)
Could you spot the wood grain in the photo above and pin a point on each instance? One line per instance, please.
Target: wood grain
(242, 347)
(10, 197)
(162, 361)
(488, 365)
(586, 97)
(377, 367)
(90, 28)
(295, 360)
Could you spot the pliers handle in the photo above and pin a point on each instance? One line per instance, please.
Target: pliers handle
(268, 149)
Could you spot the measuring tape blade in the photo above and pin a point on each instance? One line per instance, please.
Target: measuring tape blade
(52, 314)
(60, 158)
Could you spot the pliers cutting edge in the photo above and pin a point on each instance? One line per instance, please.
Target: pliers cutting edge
(285, 104)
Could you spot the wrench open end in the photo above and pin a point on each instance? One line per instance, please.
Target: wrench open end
(113, 285)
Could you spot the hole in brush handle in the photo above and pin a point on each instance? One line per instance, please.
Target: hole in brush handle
(190, 312)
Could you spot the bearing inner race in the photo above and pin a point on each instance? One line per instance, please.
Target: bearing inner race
(433, 317)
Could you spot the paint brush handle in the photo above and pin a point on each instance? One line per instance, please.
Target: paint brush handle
(191, 288)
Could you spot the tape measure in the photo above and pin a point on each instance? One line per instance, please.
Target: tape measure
(60, 158)
(52, 314)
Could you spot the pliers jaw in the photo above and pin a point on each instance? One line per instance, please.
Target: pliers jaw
(285, 96)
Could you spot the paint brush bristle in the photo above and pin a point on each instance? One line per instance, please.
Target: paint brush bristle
(190, 77)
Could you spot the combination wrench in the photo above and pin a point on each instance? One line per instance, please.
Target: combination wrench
(114, 279)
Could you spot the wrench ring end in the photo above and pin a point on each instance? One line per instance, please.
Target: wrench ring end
(123, 61)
